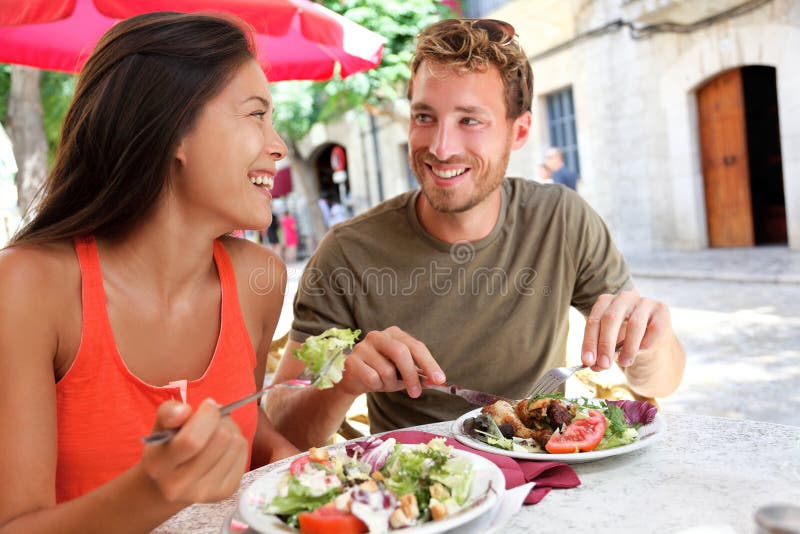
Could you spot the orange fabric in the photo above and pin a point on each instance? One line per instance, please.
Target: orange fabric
(104, 410)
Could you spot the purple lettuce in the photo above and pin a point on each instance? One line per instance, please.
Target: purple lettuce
(636, 412)
(373, 451)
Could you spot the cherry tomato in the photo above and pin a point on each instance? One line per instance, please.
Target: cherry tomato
(330, 520)
(299, 465)
(581, 435)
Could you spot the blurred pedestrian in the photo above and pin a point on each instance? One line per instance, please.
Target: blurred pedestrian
(290, 238)
(561, 173)
(545, 174)
(325, 208)
(272, 235)
(338, 213)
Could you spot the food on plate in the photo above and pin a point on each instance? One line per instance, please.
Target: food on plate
(374, 485)
(581, 435)
(316, 351)
(554, 424)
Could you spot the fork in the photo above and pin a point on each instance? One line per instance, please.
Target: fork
(306, 379)
(557, 376)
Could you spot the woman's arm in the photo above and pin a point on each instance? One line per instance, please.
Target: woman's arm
(261, 280)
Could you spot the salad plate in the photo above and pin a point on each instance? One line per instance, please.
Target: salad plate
(488, 483)
(648, 434)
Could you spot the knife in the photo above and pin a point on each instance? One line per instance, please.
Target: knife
(472, 396)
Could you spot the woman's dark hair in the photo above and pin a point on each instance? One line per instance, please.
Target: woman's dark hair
(139, 93)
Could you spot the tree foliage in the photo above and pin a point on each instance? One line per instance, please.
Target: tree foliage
(57, 89)
(299, 105)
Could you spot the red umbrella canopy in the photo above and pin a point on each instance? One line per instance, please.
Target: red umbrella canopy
(296, 39)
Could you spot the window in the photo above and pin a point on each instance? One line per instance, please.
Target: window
(561, 125)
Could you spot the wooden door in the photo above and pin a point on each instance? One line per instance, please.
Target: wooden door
(723, 145)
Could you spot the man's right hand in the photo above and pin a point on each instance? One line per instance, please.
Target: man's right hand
(389, 360)
(385, 360)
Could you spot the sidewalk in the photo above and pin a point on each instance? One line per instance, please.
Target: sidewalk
(765, 264)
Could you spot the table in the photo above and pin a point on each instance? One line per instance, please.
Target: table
(708, 474)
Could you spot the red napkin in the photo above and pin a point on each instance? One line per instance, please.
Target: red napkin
(547, 475)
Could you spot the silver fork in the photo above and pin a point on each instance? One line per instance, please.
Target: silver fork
(557, 376)
(306, 379)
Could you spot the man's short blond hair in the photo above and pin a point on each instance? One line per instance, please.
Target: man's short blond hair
(472, 45)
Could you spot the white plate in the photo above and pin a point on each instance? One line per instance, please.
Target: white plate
(486, 475)
(648, 434)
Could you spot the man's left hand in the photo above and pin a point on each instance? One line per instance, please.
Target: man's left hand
(643, 323)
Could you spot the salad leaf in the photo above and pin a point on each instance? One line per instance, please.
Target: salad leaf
(611, 440)
(636, 412)
(483, 428)
(457, 475)
(373, 508)
(316, 351)
(298, 498)
(615, 417)
(409, 470)
(373, 452)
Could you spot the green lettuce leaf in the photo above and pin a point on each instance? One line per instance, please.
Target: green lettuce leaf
(316, 351)
(298, 499)
(456, 474)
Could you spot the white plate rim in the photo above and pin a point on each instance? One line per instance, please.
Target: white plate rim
(263, 490)
(648, 434)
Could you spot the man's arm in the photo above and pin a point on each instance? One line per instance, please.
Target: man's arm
(305, 417)
(386, 360)
(652, 358)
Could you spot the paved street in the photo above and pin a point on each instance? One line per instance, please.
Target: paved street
(737, 313)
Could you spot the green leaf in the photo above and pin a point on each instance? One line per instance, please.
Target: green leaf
(317, 351)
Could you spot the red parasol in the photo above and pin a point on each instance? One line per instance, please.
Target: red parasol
(296, 39)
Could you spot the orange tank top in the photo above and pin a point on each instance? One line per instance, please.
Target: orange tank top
(104, 409)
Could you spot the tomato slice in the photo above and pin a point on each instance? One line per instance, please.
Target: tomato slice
(330, 520)
(299, 465)
(582, 435)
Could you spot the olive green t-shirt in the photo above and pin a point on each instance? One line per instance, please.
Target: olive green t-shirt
(494, 312)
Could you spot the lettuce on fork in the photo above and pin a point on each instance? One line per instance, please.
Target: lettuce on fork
(316, 351)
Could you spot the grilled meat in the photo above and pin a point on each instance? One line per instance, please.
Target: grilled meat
(503, 414)
(559, 415)
(544, 413)
(535, 420)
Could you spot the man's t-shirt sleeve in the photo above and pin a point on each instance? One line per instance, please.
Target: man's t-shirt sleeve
(600, 267)
(323, 298)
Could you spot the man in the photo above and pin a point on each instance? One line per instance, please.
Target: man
(561, 173)
(474, 274)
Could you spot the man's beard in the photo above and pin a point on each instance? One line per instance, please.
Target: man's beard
(445, 200)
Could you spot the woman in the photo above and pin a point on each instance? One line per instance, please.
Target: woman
(125, 307)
